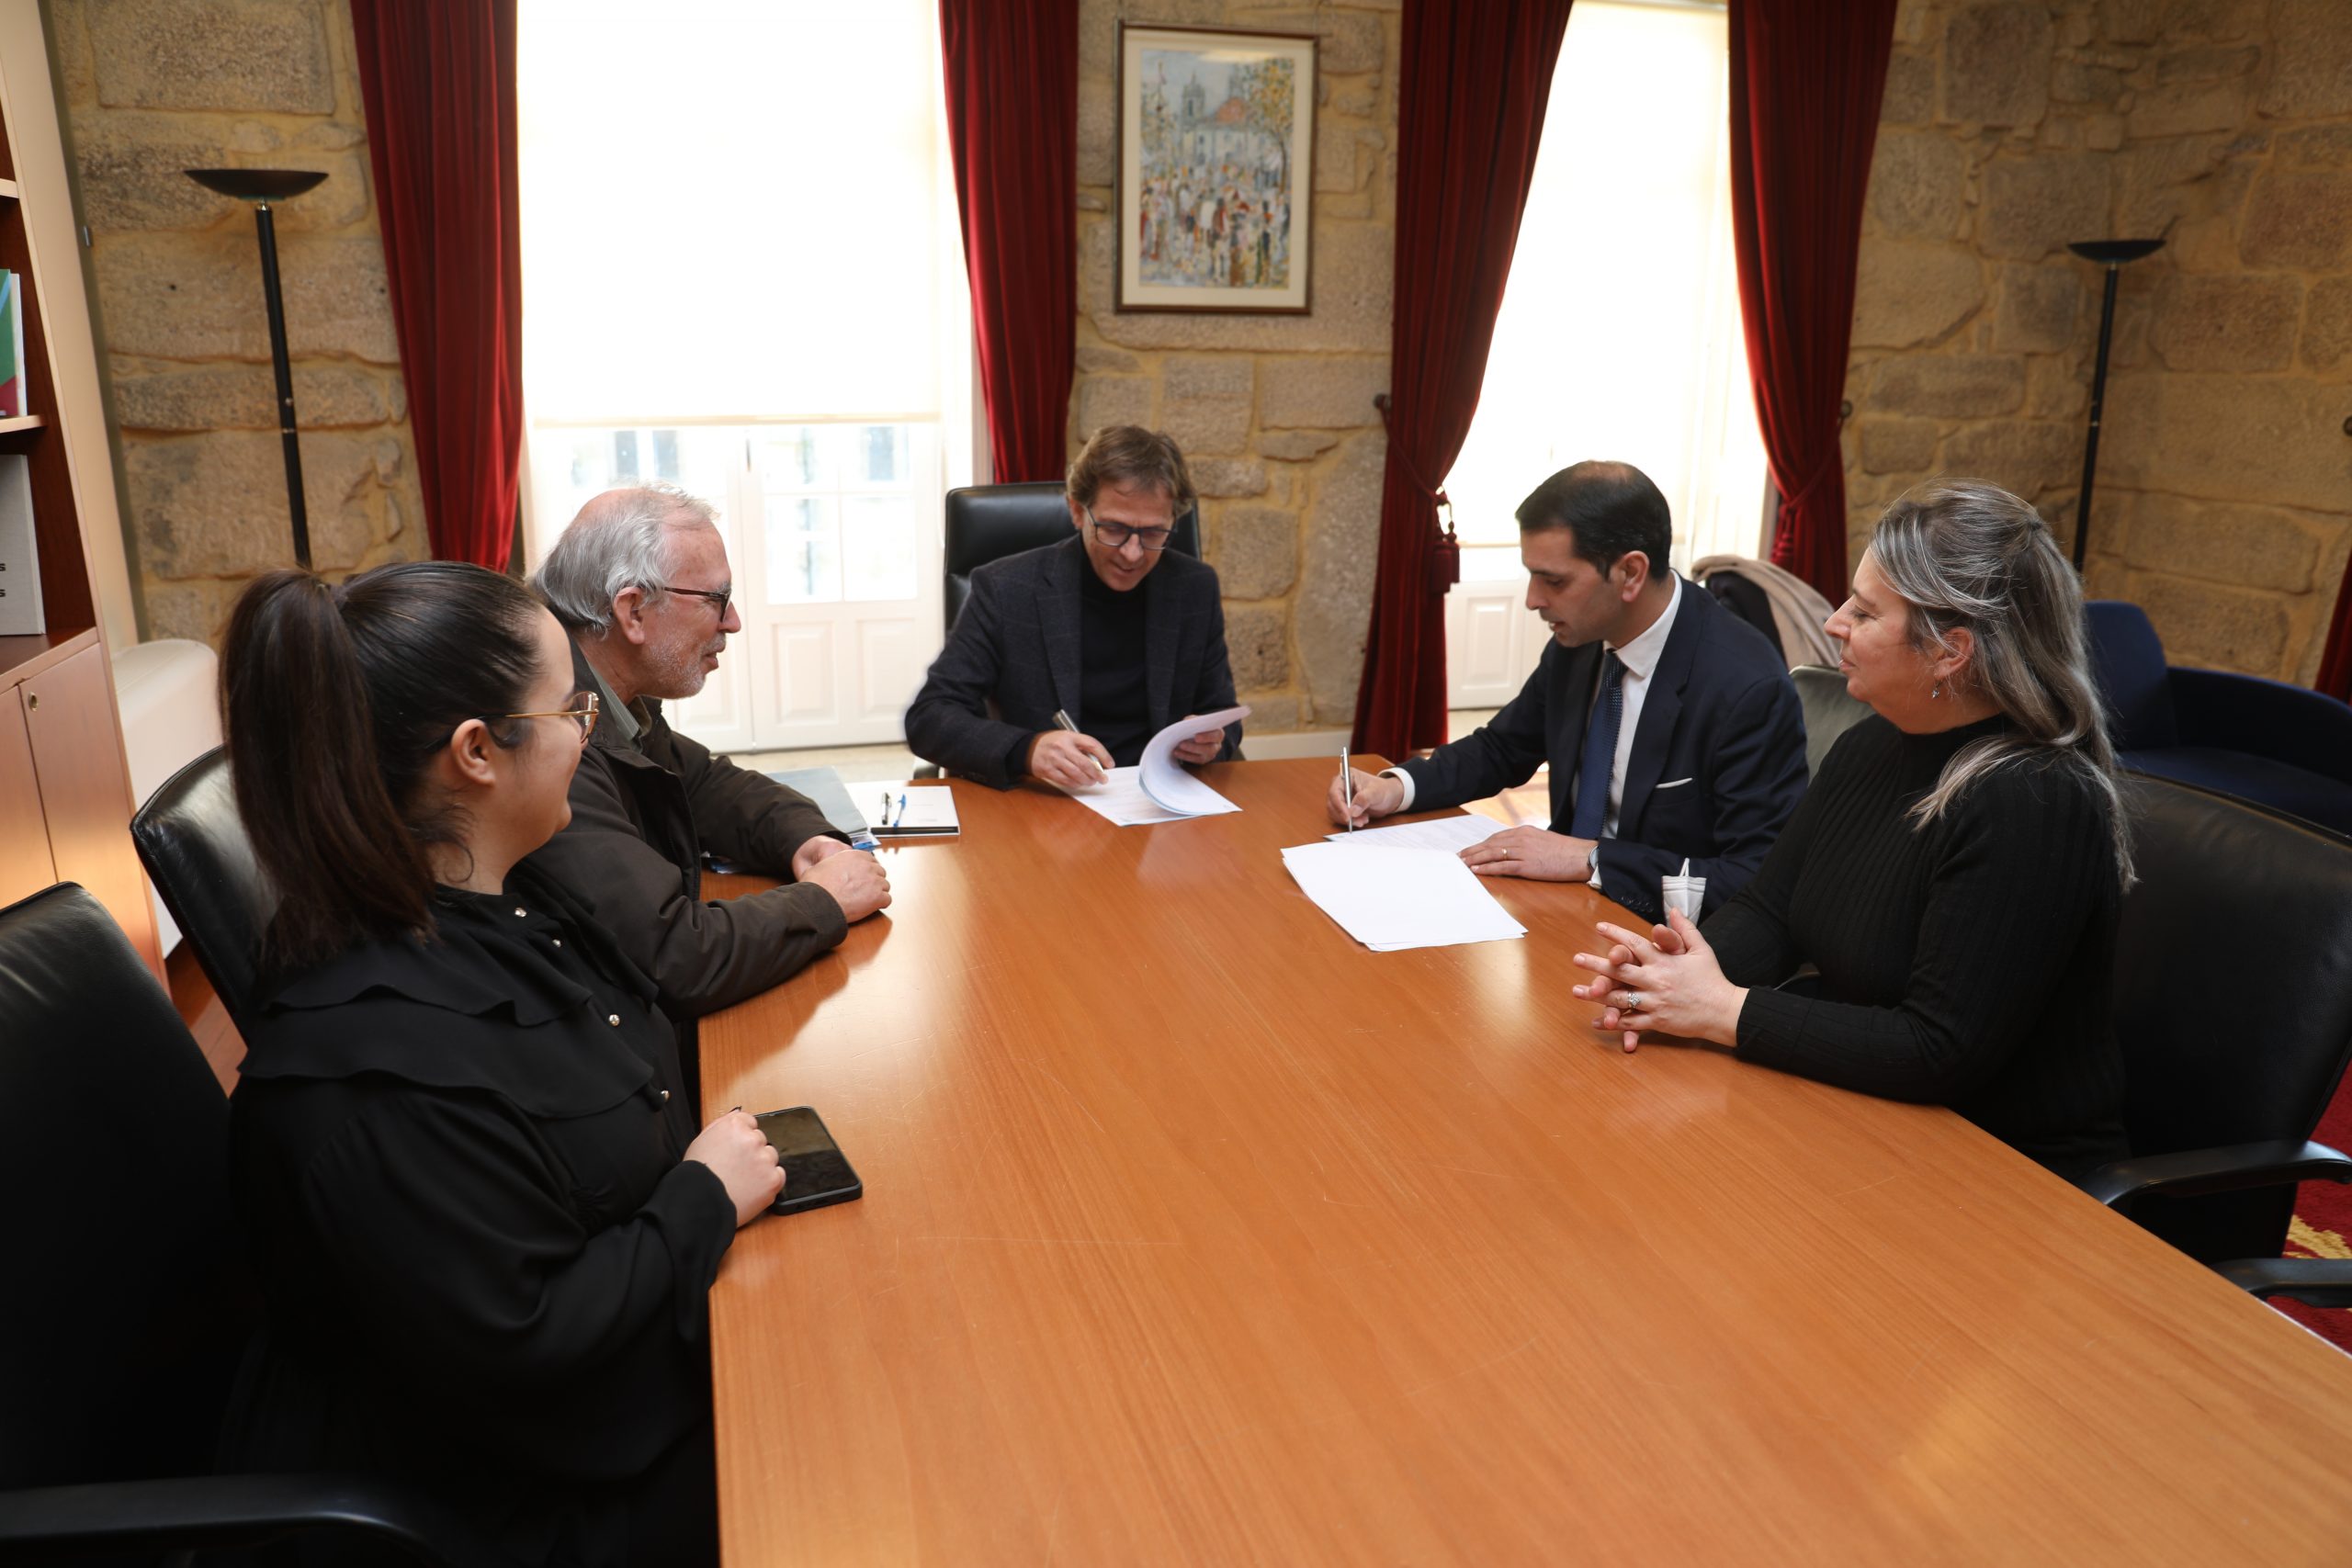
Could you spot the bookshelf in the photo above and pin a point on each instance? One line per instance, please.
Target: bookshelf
(65, 800)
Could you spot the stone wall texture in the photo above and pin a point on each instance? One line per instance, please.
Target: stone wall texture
(151, 87)
(2223, 502)
(1274, 413)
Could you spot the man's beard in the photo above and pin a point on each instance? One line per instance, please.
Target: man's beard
(682, 676)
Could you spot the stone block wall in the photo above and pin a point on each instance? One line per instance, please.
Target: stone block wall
(150, 88)
(1274, 413)
(2223, 502)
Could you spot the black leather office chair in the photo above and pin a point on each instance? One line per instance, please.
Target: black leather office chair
(194, 846)
(1829, 712)
(126, 1307)
(2226, 1081)
(986, 523)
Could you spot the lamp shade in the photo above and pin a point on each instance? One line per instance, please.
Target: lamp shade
(256, 184)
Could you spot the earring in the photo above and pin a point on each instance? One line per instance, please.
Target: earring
(1935, 691)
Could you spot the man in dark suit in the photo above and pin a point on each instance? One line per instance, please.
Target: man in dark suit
(1671, 727)
(1110, 626)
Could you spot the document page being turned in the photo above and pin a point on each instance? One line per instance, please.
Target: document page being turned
(1158, 789)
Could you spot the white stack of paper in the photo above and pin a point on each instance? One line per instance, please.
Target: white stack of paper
(1456, 833)
(1158, 789)
(1394, 899)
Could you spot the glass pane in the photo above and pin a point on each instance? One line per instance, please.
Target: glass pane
(881, 455)
(665, 454)
(878, 539)
(804, 550)
(799, 457)
(625, 454)
(587, 466)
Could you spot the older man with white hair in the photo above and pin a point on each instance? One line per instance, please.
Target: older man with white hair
(642, 583)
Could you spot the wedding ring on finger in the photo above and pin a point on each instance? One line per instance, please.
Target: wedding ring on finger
(1633, 1002)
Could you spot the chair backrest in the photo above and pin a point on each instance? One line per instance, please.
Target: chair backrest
(1749, 603)
(986, 523)
(2226, 890)
(123, 1316)
(1829, 711)
(194, 845)
(2128, 658)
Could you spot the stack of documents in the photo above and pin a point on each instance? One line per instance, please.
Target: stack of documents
(1158, 789)
(1394, 899)
(1452, 833)
(924, 811)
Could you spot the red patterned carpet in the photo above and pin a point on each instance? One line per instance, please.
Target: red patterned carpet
(2322, 1226)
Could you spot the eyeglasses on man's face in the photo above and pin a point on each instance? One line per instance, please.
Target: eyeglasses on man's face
(719, 596)
(582, 712)
(1116, 534)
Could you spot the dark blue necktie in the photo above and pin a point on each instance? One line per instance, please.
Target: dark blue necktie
(1600, 749)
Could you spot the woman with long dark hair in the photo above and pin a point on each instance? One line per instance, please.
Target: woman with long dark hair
(483, 1218)
(1950, 884)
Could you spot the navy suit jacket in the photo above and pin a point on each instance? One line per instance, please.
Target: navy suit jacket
(1716, 768)
(1013, 658)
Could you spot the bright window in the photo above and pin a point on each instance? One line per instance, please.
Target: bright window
(1620, 330)
(741, 273)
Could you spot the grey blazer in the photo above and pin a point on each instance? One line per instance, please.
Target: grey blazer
(1013, 659)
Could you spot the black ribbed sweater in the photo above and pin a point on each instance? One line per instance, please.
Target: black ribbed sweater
(1966, 962)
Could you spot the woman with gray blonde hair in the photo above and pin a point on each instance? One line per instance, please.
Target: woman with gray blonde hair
(1947, 891)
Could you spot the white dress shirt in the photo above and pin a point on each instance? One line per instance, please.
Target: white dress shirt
(1640, 656)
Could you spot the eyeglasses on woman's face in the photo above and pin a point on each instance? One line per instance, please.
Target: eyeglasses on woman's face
(582, 712)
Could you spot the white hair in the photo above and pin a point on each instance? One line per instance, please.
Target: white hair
(623, 539)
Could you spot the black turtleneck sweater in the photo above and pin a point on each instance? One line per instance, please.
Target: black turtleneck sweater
(1965, 963)
(1115, 707)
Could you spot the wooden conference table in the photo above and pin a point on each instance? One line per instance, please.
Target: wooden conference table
(1196, 1232)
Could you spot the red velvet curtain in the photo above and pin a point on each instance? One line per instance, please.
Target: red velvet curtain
(1473, 81)
(438, 78)
(2335, 663)
(1012, 75)
(1806, 77)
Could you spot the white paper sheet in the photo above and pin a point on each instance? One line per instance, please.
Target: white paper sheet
(1158, 789)
(1456, 833)
(1120, 799)
(1164, 778)
(1391, 899)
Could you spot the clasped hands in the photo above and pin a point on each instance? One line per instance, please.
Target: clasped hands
(1536, 853)
(1666, 983)
(854, 878)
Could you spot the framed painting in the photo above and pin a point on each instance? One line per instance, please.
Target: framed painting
(1216, 169)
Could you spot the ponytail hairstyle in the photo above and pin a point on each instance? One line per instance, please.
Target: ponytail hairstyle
(1962, 553)
(336, 701)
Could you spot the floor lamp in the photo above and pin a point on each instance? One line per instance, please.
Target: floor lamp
(261, 186)
(2112, 254)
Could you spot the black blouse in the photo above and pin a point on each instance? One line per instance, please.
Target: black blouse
(485, 1267)
(1963, 962)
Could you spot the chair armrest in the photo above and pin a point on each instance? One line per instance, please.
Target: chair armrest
(47, 1524)
(2274, 1163)
(2267, 718)
(2314, 1281)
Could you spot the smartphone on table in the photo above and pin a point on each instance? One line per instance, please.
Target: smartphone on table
(815, 1171)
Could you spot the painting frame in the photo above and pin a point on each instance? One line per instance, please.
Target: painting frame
(1245, 246)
